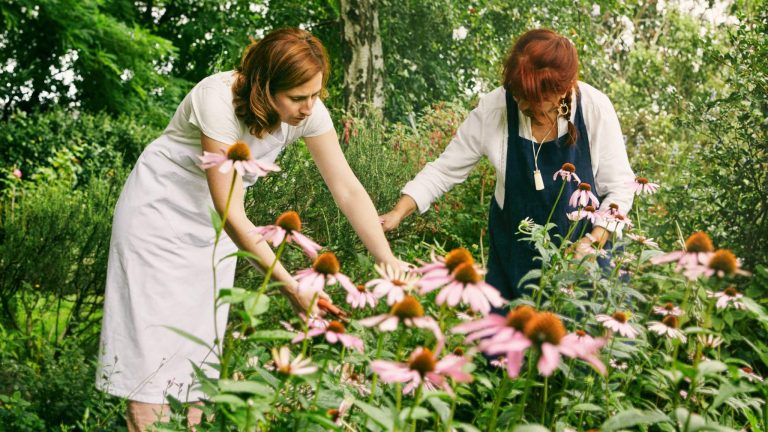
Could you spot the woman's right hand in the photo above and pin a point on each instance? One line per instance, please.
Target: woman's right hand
(391, 220)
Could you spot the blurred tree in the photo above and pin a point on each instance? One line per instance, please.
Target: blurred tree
(364, 62)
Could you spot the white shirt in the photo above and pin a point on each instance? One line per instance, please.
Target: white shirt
(484, 133)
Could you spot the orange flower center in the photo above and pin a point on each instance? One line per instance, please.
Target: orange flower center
(518, 317)
(398, 282)
(725, 261)
(699, 242)
(620, 317)
(581, 333)
(423, 362)
(585, 187)
(361, 288)
(327, 264)
(731, 292)
(409, 307)
(670, 321)
(336, 327)
(459, 351)
(589, 208)
(669, 307)
(333, 413)
(466, 273)
(568, 167)
(289, 221)
(456, 257)
(545, 327)
(641, 180)
(239, 151)
(613, 206)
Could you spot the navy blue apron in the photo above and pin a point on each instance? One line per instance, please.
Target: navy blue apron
(510, 258)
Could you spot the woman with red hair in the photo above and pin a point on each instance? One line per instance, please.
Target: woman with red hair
(541, 118)
(159, 272)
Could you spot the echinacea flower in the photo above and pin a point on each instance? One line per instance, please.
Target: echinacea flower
(750, 374)
(17, 173)
(423, 368)
(709, 341)
(641, 185)
(668, 328)
(583, 196)
(408, 311)
(643, 240)
(287, 228)
(587, 348)
(324, 272)
(499, 362)
(586, 212)
(286, 366)
(442, 267)
(334, 332)
(465, 285)
(668, 309)
(721, 263)
(615, 364)
(499, 328)
(728, 297)
(361, 297)
(393, 283)
(567, 172)
(618, 322)
(698, 250)
(337, 414)
(616, 222)
(351, 379)
(238, 155)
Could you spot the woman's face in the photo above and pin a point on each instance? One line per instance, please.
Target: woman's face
(547, 109)
(295, 105)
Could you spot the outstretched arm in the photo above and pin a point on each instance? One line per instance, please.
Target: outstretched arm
(350, 195)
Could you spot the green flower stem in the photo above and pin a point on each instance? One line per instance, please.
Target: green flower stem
(449, 423)
(218, 343)
(270, 269)
(399, 386)
(527, 388)
(557, 200)
(319, 382)
(544, 409)
(305, 342)
(413, 407)
(375, 379)
(500, 395)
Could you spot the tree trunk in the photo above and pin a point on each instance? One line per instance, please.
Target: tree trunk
(364, 71)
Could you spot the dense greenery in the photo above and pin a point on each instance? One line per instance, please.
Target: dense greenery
(691, 94)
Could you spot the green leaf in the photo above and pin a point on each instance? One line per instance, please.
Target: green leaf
(442, 408)
(530, 428)
(728, 390)
(417, 414)
(376, 414)
(249, 387)
(270, 335)
(239, 254)
(711, 367)
(228, 399)
(189, 336)
(254, 308)
(466, 427)
(632, 417)
(586, 407)
(215, 218)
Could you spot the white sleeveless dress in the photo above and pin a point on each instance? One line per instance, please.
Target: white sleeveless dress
(159, 272)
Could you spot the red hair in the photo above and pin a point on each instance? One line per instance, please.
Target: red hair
(284, 59)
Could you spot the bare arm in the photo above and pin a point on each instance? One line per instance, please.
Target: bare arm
(238, 226)
(404, 208)
(350, 195)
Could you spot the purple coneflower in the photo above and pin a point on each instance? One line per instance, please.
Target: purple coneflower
(618, 322)
(709, 341)
(587, 348)
(667, 327)
(393, 283)
(17, 173)
(641, 185)
(567, 172)
(334, 332)
(750, 374)
(728, 297)
(442, 267)
(698, 250)
(465, 285)
(361, 297)
(643, 240)
(238, 155)
(284, 365)
(337, 414)
(668, 309)
(324, 272)
(583, 196)
(288, 227)
(408, 310)
(721, 263)
(423, 368)
(586, 212)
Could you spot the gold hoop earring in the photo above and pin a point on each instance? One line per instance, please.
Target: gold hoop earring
(563, 110)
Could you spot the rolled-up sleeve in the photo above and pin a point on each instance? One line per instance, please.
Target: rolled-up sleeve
(452, 166)
(613, 174)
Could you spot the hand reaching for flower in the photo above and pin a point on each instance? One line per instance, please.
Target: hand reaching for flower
(301, 299)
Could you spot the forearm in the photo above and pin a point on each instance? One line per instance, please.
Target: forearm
(361, 213)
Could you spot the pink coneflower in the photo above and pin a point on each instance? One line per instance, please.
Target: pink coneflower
(393, 283)
(349, 378)
(587, 348)
(643, 240)
(361, 297)
(408, 311)
(442, 267)
(499, 328)
(583, 196)
(17, 173)
(709, 341)
(567, 172)
(668, 309)
(288, 227)
(641, 185)
(423, 368)
(324, 272)
(750, 374)
(465, 285)
(698, 250)
(238, 155)
(728, 297)
(334, 332)
(616, 223)
(284, 365)
(721, 263)
(337, 414)
(618, 322)
(586, 212)
(668, 328)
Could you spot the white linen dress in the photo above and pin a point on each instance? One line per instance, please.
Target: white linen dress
(159, 272)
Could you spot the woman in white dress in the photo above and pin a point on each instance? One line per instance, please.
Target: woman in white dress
(159, 273)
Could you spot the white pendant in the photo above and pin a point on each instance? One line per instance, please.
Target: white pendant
(537, 180)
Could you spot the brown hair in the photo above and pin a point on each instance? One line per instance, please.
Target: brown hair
(542, 63)
(284, 59)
